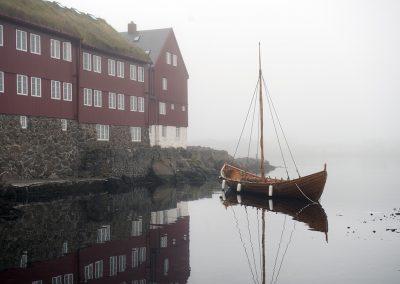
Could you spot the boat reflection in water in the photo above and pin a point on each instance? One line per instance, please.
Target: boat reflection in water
(131, 237)
(310, 213)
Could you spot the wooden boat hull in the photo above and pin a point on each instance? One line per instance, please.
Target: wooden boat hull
(308, 187)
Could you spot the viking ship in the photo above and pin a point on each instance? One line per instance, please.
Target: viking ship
(308, 187)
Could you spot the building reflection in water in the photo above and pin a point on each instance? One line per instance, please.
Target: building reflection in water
(110, 241)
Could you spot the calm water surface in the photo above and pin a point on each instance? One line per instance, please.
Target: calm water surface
(189, 235)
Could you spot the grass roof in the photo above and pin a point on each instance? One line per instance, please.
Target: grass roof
(92, 31)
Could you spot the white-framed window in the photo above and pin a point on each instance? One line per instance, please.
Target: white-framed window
(164, 241)
(65, 244)
(37, 282)
(142, 254)
(1, 35)
(97, 63)
(162, 108)
(140, 73)
(168, 58)
(23, 120)
(87, 97)
(55, 90)
(57, 280)
(98, 269)
(21, 40)
(36, 87)
(103, 132)
(97, 98)
(113, 265)
(67, 51)
(183, 108)
(137, 228)
(121, 101)
(69, 278)
(1, 82)
(64, 124)
(87, 61)
(135, 257)
(112, 100)
(133, 72)
(172, 106)
(141, 104)
(136, 134)
(174, 60)
(121, 263)
(55, 48)
(104, 234)
(111, 67)
(164, 131)
(88, 272)
(67, 91)
(178, 132)
(134, 103)
(166, 266)
(22, 85)
(164, 84)
(120, 69)
(35, 45)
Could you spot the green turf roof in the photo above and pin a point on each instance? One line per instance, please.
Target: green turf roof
(92, 31)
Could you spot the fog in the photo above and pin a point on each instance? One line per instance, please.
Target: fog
(332, 67)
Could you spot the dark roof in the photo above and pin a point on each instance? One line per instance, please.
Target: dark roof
(149, 40)
(92, 31)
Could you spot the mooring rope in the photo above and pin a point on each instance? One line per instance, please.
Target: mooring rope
(305, 194)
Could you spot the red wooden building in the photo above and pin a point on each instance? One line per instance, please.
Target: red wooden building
(168, 92)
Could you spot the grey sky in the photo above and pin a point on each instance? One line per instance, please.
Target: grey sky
(332, 66)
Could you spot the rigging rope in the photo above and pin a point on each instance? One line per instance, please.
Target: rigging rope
(280, 126)
(247, 115)
(258, 235)
(251, 244)
(251, 133)
(244, 247)
(277, 136)
(279, 248)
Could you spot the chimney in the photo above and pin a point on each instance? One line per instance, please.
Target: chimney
(131, 28)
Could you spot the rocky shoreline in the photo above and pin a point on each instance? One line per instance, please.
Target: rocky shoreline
(111, 170)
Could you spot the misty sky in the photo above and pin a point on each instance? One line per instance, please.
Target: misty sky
(332, 66)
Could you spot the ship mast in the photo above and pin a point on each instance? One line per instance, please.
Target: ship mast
(262, 170)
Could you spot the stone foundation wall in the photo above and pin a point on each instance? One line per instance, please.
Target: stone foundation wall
(44, 150)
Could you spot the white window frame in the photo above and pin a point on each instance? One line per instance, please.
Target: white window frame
(113, 265)
(64, 125)
(88, 272)
(22, 85)
(163, 131)
(97, 98)
(166, 266)
(67, 51)
(142, 254)
(21, 37)
(183, 108)
(120, 69)
(55, 49)
(172, 107)
(112, 100)
(69, 278)
(97, 63)
(162, 108)
(2, 87)
(111, 67)
(174, 60)
(168, 58)
(178, 132)
(87, 97)
(137, 228)
(57, 279)
(35, 45)
(135, 257)
(98, 269)
(103, 132)
(133, 103)
(164, 84)
(36, 87)
(1, 35)
(23, 120)
(141, 104)
(136, 134)
(140, 73)
(55, 90)
(133, 72)
(86, 61)
(121, 101)
(67, 92)
(37, 282)
(164, 241)
(121, 263)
